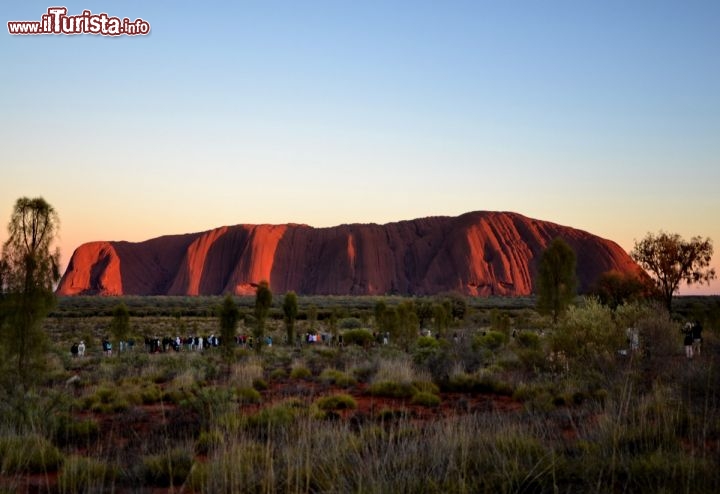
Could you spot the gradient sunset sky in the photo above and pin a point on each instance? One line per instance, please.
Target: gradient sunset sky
(600, 115)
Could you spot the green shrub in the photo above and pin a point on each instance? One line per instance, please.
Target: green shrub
(28, 454)
(492, 340)
(83, 474)
(151, 394)
(528, 339)
(364, 371)
(260, 384)
(208, 441)
(338, 378)
(426, 386)
(532, 359)
(360, 337)
(336, 402)
(248, 396)
(350, 323)
(278, 374)
(277, 416)
(392, 389)
(461, 382)
(427, 342)
(589, 337)
(166, 470)
(425, 399)
(71, 431)
(300, 373)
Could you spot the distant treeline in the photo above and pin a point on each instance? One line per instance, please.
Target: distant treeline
(699, 307)
(206, 306)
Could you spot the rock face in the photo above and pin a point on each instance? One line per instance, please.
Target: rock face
(479, 253)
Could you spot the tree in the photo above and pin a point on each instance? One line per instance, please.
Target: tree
(556, 279)
(290, 309)
(669, 260)
(29, 270)
(614, 288)
(312, 315)
(263, 301)
(456, 303)
(408, 324)
(379, 312)
(229, 317)
(441, 319)
(120, 323)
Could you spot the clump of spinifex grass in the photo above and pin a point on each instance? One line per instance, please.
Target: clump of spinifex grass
(246, 372)
(83, 474)
(28, 453)
(338, 378)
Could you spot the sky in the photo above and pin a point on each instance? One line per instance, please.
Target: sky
(603, 116)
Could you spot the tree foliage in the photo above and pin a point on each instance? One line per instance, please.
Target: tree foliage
(29, 268)
(557, 280)
(263, 301)
(670, 260)
(290, 310)
(614, 288)
(120, 323)
(229, 318)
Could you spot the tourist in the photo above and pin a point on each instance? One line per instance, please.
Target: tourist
(697, 337)
(688, 340)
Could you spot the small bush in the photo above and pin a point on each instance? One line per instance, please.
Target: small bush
(278, 416)
(392, 389)
(260, 384)
(69, 431)
(426, 386)
(28, 454)
(278, 374)
(300, 373)
(461, 382)
(425, 399)
(350, 323)
(492, 340)
(527, 339)
(167, 470)
(363, 372)
(208, 441)
(83, 474)
(338, 378)
(336, 402)
(151, 394)
(360, 337)
(248, 396)
(427, 342)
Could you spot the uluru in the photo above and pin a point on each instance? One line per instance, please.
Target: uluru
(479, 253)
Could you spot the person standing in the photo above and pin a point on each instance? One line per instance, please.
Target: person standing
(697, 337)
(688, 340)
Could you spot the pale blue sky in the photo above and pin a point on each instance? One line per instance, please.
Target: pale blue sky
(600, 115)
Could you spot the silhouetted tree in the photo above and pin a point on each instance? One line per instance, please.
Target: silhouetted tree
(379, 313)
(312, 314)
(557, 280)
(120, 323)
(441, 319)
(263, 301)
(290, 309)
(614, 288)
(670, 260)
(229, 318)
(407, 324)
(29, 270)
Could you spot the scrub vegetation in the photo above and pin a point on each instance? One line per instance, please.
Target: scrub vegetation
(493, 398)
